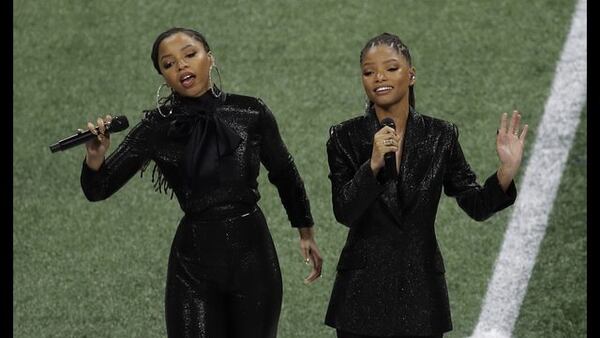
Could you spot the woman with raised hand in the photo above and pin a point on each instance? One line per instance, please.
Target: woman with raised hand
(388, 169)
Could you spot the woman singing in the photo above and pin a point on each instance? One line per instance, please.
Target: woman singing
(223, 276)
(390, 276)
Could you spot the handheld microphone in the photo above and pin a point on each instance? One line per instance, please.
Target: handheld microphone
(390, 157)
(117, 123)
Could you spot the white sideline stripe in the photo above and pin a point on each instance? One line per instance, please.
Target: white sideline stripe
(529, 219)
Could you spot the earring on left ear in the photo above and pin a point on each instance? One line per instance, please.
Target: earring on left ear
(163, 101)
(216, 93)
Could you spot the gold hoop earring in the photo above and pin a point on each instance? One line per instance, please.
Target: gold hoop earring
(163, 100)
(216, 93)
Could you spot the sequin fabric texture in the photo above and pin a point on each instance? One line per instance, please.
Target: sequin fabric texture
(390, 275)
(223, 276)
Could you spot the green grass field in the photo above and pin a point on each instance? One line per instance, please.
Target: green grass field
(86, 269)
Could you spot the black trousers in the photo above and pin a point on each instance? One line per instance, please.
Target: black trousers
(223, 279)
(344, 334)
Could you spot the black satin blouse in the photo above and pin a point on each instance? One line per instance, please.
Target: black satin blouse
(244, 124)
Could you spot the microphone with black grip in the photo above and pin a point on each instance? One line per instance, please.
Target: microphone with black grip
(118, 123)
(389, 157)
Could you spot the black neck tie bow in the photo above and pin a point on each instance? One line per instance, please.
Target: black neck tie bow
(210, 140)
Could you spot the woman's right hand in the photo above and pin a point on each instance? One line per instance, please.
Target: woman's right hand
(96, 148)
(384, 141)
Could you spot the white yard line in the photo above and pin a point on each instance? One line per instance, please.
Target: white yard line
(538, 188)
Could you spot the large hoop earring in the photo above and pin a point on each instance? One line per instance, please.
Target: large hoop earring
(163, 100)
(218, 93)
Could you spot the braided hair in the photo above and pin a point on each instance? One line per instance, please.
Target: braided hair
(394, 42)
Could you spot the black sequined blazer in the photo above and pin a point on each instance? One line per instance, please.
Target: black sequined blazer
(390, 275)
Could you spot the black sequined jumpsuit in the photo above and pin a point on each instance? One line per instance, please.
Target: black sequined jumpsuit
(223, 276)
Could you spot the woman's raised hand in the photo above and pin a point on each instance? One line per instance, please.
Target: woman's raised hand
(510, 142)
